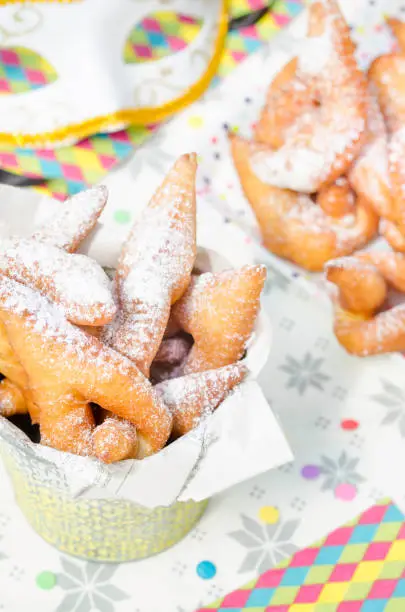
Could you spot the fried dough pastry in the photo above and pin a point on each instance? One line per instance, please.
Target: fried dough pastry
(67, 369)
(16, 376)
(155, 266)
(387, 73)
(292, 225)
(66, 229)
(115, 439)
(327, 112)
(398, 30)
(219, 311)
(12, 400)
(191, 397)
(361, 325)
(73, 220)
(338, 199)
(369, 174)
(75, 282)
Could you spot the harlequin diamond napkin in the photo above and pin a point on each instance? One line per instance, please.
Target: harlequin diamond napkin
(358, 567)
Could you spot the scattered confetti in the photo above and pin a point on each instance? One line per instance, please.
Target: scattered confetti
(46, 580)
(206, 570)
(345, 492)
(310, 472)
(269, 515)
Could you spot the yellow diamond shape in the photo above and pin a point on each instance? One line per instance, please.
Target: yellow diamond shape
(333, 592)
(367, 571)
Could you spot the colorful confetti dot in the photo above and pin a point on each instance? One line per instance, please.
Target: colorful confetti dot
(310, 472)
(122, 216)
(46, 580)
(195, 121)
(214, 140)
(206, 570)
(345, 492)
(269, 515)
(349, 424)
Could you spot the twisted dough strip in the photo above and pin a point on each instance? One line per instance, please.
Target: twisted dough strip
(337, 199)
(70, 224)
(193, 396)
(68, 368)
(219, 310)
(75, 282)
(322, 141)
(387, 74)
(12, 400)
(155, 266)
(292, 225)
(73, 220)
(369, 174)
(363, 282)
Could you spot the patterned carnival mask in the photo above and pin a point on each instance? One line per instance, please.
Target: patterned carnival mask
(70, 69)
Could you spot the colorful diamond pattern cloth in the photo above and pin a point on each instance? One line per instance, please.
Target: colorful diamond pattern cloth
(23, 70)
(160, 34)
(358, 567)
(68, 170)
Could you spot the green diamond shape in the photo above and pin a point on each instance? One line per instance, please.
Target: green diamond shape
(392, 569)
(284, 595)
(387, 532)
(395, 605)
(326, 607)
(353, 553)
(358, 591)
(319, 574)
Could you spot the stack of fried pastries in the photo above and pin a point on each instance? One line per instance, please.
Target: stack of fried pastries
(325, 174)
(116, 369)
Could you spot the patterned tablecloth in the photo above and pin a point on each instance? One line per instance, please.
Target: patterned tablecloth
(344, 417)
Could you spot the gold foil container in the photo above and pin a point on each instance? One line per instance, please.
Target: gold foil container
(104, 530)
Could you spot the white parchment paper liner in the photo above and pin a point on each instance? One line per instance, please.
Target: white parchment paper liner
(243, 437)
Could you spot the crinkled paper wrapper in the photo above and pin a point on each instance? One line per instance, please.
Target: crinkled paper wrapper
(240, 440)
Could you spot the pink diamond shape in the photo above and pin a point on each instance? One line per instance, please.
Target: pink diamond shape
(272, 578)
(304, 557)
(343, 572)
(9, 57)
(237, 599)
(107, 161)
(7, 159)
(382, 589)
(339, 537)
(350, 606)
(377, 551)
(277, 609)
(72, 172)
(46, 154)
(373, 515)
(4, 85)
(35, 76)
(401, 533)
(151, 25)
(238, 56)
(308, 593)
(142, 51)
(176, 44)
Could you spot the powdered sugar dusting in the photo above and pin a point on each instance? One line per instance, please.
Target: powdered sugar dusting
(155, 266)
(219, 310)
(195, 396)
(323, 139)
(76, 282)
(74, 219)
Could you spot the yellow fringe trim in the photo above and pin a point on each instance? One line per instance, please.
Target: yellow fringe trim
(140, 116)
